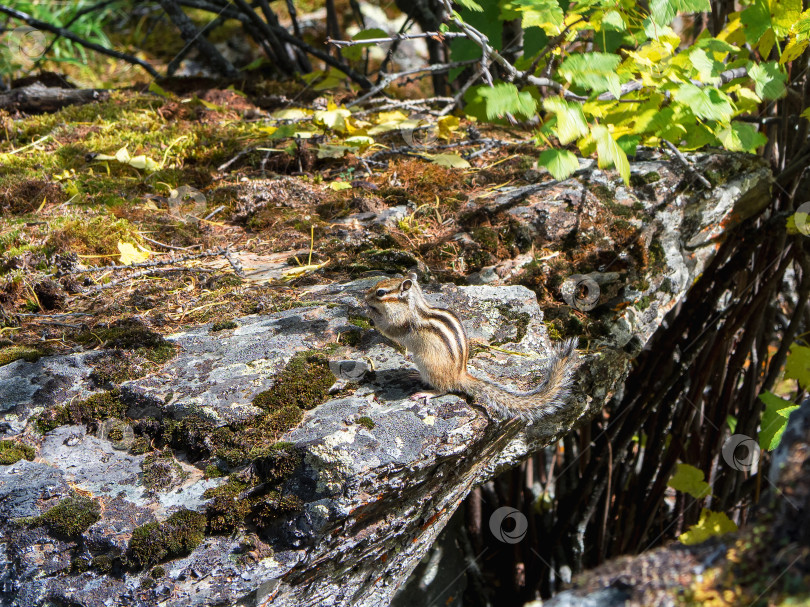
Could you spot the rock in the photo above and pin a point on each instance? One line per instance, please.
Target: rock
(344, 481)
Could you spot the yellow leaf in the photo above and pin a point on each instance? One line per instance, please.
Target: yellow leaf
(130, 255)
(450, 160)
(337, 186)
(292, 114)
(301, 270)
(711, 524)
(333, 119)
(395, 116)
(447, 125)
(793, 50)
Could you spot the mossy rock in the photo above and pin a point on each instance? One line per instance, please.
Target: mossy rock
(304, 383)
(223, 325)
(71, 517)
(12, 353)
(13, 451)
(178, 535)
(130, 334)
(366, 422)
(92, 410)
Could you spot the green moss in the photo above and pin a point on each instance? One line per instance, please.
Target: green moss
(637, 180)
(130, 334)
(643, 303)
(360, 321)
(12, 451)
(602, 193)
(223, 324)
(116, 366)
(102, 563)
(273, 505)
(10, 354)
(276, 462)
(91, 410)
(487, 238)
(304, 382)
(385, 260)
(157, 572)
(520, 321)
(351, 338)
(214, 471)
(476, 258)
(178, 535)
(160, 470)
(71, 517)
(140, 445)
(226, 510)
(366, 422)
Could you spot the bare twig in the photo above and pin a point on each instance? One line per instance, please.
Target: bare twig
(192, 35)
(169, 246)
(395, 37)
(145, 264)
(234, 261)
(676, 152)
(149, 272)
(388, 79)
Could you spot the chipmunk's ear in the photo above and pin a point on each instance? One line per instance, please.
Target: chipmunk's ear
(406, 284)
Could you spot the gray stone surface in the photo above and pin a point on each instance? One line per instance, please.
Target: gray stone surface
(374, 498)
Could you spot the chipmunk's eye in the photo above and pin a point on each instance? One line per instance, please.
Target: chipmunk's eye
(380, 292)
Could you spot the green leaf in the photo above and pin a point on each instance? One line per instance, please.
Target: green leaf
(664, 11)
(741, 137)
(707, 102)
(545, 14)
(471, 5)
(155, 88)
(504, 98)
(453, 161)
(613, 20)
(355, 52)
(769, 81)
(571, 123)
(757, 20)
(610, 153)
(797, 365)
(326, 150)
(774, 420)
(785, 14)
(707, 67)
(629, 144)
(688, 479)
(711, 524)
(560, 163)
(374, 32)
(594, 71)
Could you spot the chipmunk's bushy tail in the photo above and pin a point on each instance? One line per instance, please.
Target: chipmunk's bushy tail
(548, 397)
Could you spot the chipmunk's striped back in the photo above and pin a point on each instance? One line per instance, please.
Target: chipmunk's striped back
(436, 339)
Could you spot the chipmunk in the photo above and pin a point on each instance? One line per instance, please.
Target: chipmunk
(436, 339)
